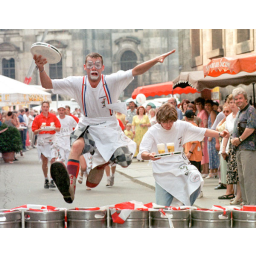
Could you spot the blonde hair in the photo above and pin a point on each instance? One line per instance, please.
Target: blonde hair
(229, 98)
(165, 113)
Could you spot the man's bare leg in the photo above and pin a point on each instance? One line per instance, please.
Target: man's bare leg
(45, 170)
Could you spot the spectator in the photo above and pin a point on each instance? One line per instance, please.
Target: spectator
(30, 133)
(219, 146)
(140, 126)
(215, 105)
(203, 115)
(220, 108)
(131, 112)
(192, 107)
(184, 106)
(229, 154)
(173, 101)
(193, 149)
(128, 131)
(214, 160)
(27, 138)
(10, 121)
(152, 116)
(244, 139)
(24, 130)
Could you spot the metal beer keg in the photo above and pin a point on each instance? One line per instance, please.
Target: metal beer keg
(171, 218)
(10, 219)
(85, 218)
(136, 219)
(44, 219)
(203, 218)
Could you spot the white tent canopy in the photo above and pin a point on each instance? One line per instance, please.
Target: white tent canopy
(13, 92)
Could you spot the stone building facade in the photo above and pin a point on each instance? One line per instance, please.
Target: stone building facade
(123, 49)
(198, 46)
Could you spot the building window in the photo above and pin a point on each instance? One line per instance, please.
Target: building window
(55, 70)
(243, 35)
(245, 41)
(8, 68)
(129, 61)
(195, 37)
(216, 39)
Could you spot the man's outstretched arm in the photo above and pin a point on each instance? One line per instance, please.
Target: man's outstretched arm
(145, 66)
(44, 78)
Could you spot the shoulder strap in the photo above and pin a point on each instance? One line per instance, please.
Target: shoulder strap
(106, 90)
(83, 95)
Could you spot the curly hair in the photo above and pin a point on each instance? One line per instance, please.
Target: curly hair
(165, 113)
(139, 109)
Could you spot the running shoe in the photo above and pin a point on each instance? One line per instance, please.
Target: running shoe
(52, 185)
(61, 178)
(46, 183)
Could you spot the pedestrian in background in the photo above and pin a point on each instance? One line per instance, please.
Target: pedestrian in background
(140, 125)
(131, 112)
(184, 106)
(173, 101)
(203, 115)
(214, 160)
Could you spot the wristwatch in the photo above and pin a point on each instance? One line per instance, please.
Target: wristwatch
(240, 139)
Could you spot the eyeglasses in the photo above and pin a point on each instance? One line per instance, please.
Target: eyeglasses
(97, 65)
(226, 111)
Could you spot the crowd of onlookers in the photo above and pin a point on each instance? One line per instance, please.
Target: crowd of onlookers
(214, 158)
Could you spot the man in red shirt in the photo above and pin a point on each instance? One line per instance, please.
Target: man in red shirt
(45, 126)
(69, 114)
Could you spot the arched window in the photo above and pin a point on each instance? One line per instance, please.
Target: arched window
(8, 68)
(129, 61)
(56, 70)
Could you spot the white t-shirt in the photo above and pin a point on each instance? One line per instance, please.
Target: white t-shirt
(180, 133)
(63, 136)
(25, 119)
(94, 99)
(30, 120)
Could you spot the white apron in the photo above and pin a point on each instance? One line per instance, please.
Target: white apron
(108, 136)
(46, 145)
(177, 176)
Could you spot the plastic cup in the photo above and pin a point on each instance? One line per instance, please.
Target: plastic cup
(161, 148)
(170, 146)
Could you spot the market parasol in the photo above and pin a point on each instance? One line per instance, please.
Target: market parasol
(161, 89)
